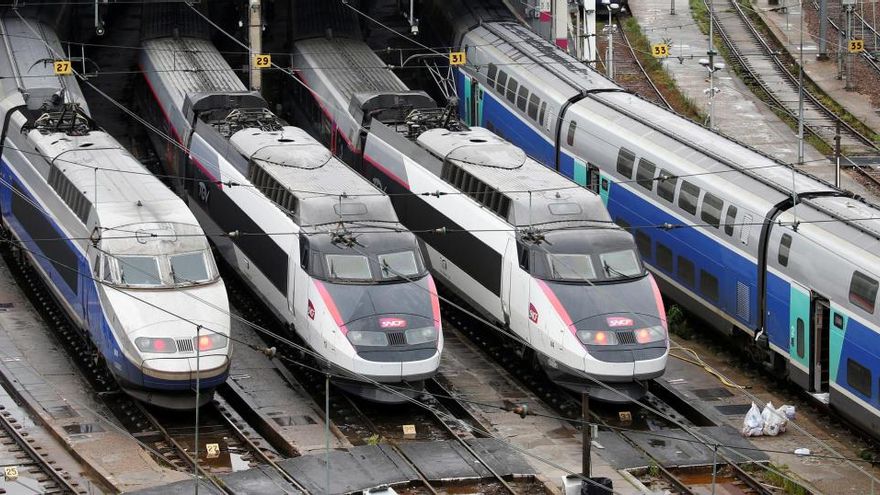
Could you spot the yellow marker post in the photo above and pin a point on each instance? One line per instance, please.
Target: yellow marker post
(660, 50)
(213, 450)
(262, 61)
(409, 431)
(457, 58)
(10, 473)
(856, 46)
(62, 67)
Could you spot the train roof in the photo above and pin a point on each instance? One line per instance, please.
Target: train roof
(325, 189)
(535, 193)
(36, 82)
(119, 189)
(189, 66)
(698, 149)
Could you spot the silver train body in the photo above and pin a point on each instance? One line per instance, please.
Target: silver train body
(320, 245)
(549, 265)
(120, 252)
(754, 247)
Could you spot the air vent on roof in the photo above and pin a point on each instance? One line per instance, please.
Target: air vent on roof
(476, 189)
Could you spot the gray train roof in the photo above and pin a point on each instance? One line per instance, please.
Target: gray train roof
(119, 184)
(36, 81)
(354, 67)
(191, 65)
(506, 168)
(313, 175)
(702, 149)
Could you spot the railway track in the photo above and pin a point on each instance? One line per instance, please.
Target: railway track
(685, 481)
(168, 435)
(35, 468)
(862, 29)
(764, 66)
(629, 71)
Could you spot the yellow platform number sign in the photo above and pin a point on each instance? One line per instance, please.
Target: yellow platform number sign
(457, 58)
(856, 46)
(62, 67)
(262, 61)
(660, 50)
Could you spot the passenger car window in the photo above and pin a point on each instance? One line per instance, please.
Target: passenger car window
(858, 377)
(688, 196)
(730, 220)
(625, 160)
(643, 242)
(512, 86)
(543, 110)
(502, 81)
(686, 271)
(664, 257)
(666, 183)
(533, 107)
(521, 98)
(784, 246)
(710, 212)
(645, 174)
(492, 74)
(709, 285)
(572, 128)
(863, 291)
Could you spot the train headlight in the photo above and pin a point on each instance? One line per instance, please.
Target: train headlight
(650, 334)
(210, 342)
(368, 339)
(159, 345)
(597, 337)
(421, 335)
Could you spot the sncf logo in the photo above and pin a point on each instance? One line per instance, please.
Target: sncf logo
(533, 313)
(311, 310)
(619, 321)
(392, 323)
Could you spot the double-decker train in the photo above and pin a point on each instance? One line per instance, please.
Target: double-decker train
(524, 246)
(752, 245)
(319, 245)
(122, 255)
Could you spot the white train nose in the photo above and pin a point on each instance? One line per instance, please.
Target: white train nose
(177, 368)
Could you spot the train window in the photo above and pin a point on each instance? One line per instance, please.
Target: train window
(858, 377)
(533, 107)
(522, 97)
(492, 74)
(666, 185)
(108, 271)
(710, 212)
(572, 128)
(401, 264)
(623, 223)
(664, 257)
(784, 247)
(643, 242)
(838, 320)
(512, 86)
(863, 291)
(502, 81)
(800, 338)
(541, 114)
(645, 174)
(686, 271)
(189, 267)
(348, 267)
(709, 285)
(688, 196)
(139, 270)
(730, 220)
(625, 161)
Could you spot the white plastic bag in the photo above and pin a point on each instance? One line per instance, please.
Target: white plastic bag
(753, 423)
(774, 420)
(788, 411)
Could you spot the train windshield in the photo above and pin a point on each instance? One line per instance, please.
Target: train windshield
(348, 267)
(571, 267)
(621, 264)
(139, 270)
(189, 268)
(398, 265)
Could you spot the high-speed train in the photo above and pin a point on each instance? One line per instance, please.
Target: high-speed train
(523, 245)
(754, 247)
(121, 253)
(320, 245)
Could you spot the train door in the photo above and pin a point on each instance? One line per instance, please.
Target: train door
(810, 336)
(474, 103)
(821, 343)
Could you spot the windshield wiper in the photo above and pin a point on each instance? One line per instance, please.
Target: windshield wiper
(609, 270)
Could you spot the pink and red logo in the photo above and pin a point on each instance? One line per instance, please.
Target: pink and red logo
(392, 323)
(533, 313)
(311, 310)
(619, 321)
